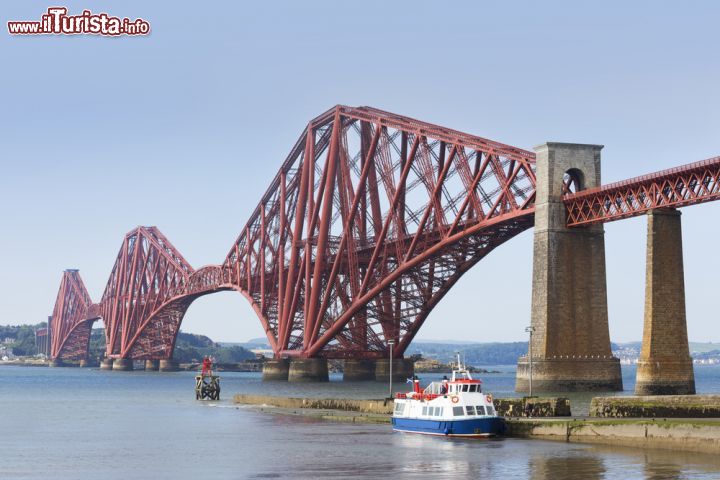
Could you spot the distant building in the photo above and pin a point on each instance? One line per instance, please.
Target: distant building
(6, 353)
(262, 352)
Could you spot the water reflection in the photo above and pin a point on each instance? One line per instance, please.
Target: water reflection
(566, 467)
(150, 410)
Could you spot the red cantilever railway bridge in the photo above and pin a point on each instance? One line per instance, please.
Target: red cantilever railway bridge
(371, 219)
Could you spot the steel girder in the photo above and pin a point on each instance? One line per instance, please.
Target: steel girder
(677, 187)
(371, 219)
(72, 319)
(148, 272)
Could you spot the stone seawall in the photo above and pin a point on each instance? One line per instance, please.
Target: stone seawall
(507, 407)
(540, 406)
(381, 407)
(700, 435)
(686, 435)
(657, 406)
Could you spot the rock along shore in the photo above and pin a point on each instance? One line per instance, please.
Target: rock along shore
(657, 406)
(692, 435)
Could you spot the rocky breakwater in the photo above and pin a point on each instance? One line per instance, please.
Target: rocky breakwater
(689, 435)
(534, 406)
(657, 406)
(347, 405)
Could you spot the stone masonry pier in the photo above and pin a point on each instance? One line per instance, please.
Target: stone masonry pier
(571, 341)
(665, 366)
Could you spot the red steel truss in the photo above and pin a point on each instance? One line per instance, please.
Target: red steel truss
(148, 272)
(677, 187)
(72, 319)
(371, 219)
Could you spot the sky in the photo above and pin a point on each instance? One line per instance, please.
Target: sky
(186, 127)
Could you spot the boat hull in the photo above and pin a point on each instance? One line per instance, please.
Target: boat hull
(474, 427)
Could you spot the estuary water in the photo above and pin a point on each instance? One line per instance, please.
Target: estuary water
(68, 423)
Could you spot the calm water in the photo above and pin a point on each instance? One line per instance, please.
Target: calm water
(77, 424)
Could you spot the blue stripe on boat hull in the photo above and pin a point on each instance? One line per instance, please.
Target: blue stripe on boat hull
(471, 427)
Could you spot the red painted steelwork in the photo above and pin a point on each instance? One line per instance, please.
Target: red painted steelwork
(677, 187)
(72, 319)
(148, 272)
(371, 219)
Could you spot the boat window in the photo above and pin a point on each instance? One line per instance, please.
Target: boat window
(490, 410)
(473, 388)
(480, 410)
(458, 411)
(399, 407)
(424, 410)
(439, 411)
(470, 410)
(465, 388)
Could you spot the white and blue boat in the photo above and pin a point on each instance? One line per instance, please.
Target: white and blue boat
(456, 408)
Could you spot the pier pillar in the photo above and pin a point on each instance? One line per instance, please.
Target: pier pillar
(571, 340)
(106, 364)
(665, 366)
(402, 369)
(86, 363)
(276, 369)
(168, 365)
(358, 370)
(56, 362)
(308, 370)
(152, 365)
(123, 364)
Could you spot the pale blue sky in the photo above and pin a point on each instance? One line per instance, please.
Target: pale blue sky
(185, 128)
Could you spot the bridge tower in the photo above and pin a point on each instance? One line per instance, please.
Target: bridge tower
(665, 366)
(571, 340)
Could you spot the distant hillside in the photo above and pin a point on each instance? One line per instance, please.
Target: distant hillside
(189, 347)
(260, 343)
(21, 338)
(473, 354)
(703, 347)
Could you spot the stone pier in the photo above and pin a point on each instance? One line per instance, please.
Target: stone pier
(122, 364)
(168, 365)
(358, 370)
(571, 341)
(276, 369)
(56, 362)
(106, 364)
(152, 365)
(665, 366)
(402, 369)
(308, 370)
